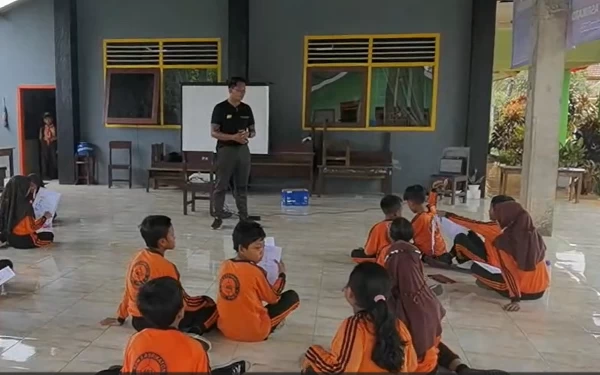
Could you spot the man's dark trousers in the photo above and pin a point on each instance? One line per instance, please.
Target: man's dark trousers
(233, 163)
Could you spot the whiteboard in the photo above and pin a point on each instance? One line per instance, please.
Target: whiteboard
(197, 104)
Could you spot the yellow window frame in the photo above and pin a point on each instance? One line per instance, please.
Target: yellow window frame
(162, 68)
(370, 65)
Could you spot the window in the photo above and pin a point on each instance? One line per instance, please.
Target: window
(377, 83)
(143, 78)
(132, 96)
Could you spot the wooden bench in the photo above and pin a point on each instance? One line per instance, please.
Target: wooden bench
(285, 162)
(575, 176)
(358, 165)
(362, 165)
(162, 172)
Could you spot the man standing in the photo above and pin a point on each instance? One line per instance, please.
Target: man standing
(232, 125)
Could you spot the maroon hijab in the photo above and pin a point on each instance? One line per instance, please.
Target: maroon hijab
(519, 236)
(412, 300)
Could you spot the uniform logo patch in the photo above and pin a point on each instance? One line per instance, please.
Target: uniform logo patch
(140, 273)
(229, 116)
(149, 363)
(229, 287)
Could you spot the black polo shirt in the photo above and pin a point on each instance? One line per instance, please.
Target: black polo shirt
(232, 119)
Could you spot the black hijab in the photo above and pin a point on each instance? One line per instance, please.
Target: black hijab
(37, 180)
(14, 204)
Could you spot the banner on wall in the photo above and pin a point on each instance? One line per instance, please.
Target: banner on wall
(522, 43)
(584, 23)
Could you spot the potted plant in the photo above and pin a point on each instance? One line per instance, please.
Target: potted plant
(475, 181)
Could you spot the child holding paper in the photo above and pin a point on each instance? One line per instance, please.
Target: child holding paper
(521, 251)
(36, 184)
(18, 225)
(244, 288)
(469, 246)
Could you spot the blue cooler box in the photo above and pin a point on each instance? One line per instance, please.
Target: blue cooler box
(294, 197)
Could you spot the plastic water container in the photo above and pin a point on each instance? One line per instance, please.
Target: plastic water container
(84, 149)
(294, 197)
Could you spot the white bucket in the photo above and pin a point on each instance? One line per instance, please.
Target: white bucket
(474, 192)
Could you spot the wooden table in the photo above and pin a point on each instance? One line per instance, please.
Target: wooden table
(8, 152)
(575, 178)
(505, 171)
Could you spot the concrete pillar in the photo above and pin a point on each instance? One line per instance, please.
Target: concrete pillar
(546, 74)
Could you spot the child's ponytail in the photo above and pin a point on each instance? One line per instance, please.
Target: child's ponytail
(388, 351)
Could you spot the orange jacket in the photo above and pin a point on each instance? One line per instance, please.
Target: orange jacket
(352, 348)
(427, 235)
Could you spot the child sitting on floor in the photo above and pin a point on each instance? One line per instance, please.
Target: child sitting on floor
(414, 302)
(379, 238)
(150, 263)
(36, 184)
(427, 234)
(244, 288)
(18, 225)
(162, 348)
(371, 340)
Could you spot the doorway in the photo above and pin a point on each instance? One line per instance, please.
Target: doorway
(33, 101)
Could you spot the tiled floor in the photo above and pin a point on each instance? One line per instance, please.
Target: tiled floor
(49, 316)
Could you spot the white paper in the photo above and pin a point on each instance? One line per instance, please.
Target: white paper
(46, 201)
(450, 229)
(6, 274)
(270, 241)
(269, 262)
(491, 269)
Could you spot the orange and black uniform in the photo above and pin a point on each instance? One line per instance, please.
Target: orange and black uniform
(243, 290)
(378, 239)
(148, 264)
(24, 235)
(521, 253)
(18, 225)
(513, 282)
(470, 246)
(162, 351)
(352, 348)
(427, 234)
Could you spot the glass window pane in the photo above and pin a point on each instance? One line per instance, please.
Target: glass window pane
(401, 96)
(336, 97)
(172, 80)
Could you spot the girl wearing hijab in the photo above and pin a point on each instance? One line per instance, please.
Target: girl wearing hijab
(521, 252)
(415, 304)
(36, 184)
(18, 225)
(372, 340)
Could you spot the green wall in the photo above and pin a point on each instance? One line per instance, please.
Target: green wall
(349, 88)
